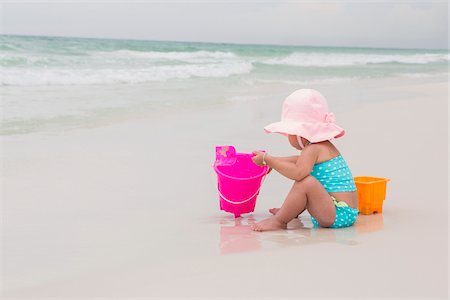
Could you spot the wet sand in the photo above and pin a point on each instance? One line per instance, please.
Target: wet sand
(131, 209)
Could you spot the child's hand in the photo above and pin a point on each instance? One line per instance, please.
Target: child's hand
(258, 158)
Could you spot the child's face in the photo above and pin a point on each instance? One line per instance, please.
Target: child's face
(294, 142)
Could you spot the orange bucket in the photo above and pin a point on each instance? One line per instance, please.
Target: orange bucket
(371, 194)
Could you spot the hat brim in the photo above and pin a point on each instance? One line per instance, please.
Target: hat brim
(313, 132)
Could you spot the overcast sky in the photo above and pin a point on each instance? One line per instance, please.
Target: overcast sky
(403, 24)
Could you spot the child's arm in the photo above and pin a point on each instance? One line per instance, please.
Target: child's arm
(295, 170)
(290, 158)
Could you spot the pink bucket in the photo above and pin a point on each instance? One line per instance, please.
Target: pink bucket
(239, 181)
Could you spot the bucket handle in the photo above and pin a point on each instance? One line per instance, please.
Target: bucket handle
(248, 199)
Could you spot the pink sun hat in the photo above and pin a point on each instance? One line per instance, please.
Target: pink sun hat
(305, 113)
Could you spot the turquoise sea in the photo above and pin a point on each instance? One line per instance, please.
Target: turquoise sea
(59, 82)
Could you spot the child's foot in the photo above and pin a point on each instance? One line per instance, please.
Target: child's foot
(269, 224)
(274, 211)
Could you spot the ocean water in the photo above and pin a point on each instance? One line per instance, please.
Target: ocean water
(58, 83)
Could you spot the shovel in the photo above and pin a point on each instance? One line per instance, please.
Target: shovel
(225, 155)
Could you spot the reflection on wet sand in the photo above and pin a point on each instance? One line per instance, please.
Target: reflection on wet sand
(236, 235)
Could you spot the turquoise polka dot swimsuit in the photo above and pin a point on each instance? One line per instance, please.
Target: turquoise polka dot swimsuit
(335, 176)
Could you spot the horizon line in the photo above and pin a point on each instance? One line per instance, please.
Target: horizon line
(222, 43)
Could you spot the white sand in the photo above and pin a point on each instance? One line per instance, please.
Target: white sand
(130, 210)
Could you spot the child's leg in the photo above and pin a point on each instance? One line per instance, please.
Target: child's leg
(274, 211)
(305, 194)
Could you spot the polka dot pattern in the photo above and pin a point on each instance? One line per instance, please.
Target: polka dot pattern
(345, 216)
(334, 175)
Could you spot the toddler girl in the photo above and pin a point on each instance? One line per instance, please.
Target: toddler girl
(323, 183)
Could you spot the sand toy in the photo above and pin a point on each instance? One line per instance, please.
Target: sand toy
(239, 180)
(371, 194)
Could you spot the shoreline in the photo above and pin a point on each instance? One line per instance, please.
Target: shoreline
(268, 93)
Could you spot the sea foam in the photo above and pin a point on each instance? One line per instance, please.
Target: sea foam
(352, 59)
